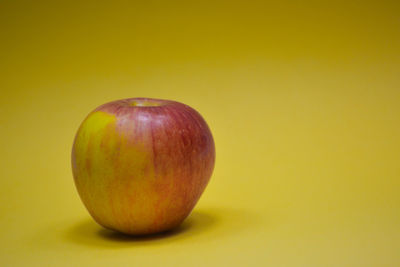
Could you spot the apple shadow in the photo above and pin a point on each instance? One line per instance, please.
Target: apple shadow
(201, 225)
(89, 233)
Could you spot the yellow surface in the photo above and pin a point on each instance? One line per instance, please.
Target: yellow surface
(303, 98)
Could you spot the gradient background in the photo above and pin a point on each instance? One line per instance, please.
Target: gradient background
(303, 99)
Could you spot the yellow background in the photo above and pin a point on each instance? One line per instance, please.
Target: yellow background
(303, 99)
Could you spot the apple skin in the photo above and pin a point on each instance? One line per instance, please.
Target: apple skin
(140, 165)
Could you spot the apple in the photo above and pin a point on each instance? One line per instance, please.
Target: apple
(140, 165)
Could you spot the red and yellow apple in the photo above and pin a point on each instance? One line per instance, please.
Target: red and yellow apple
(140, 164)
